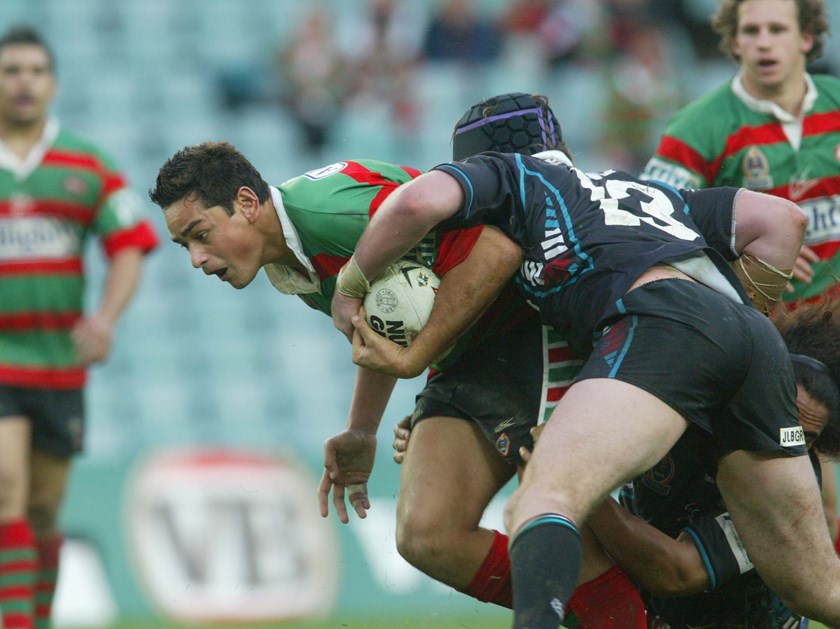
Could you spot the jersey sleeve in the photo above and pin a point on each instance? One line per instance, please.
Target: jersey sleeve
(720, 547)
(121, 220)
(713, 212)
(489, 188)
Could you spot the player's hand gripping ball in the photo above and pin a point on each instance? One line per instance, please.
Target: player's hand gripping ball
(400, 301)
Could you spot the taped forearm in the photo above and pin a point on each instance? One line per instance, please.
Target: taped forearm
(764, 282)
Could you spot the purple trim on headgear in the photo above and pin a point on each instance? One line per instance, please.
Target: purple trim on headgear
(520, 112)
(484, 121)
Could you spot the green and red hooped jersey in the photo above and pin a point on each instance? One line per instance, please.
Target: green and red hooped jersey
(720, 141)
(330, 208)
(47, 213)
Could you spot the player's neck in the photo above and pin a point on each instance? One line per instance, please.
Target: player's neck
(21, 138)
(788, 96)
(277, 250)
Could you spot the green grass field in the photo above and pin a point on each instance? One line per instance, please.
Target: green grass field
(423, 622)
(417, 622)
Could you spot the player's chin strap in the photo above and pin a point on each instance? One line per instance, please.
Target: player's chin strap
(351, 282)
(764, 282)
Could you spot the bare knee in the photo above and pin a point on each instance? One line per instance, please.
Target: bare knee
(424, 541)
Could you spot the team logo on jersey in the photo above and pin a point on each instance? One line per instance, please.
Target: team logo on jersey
(756, 169)
(75, 185)
(503, 444)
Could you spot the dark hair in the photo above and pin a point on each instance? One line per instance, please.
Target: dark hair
(812, 19)
(508, 123)
(813, 332)
(26, 35)
(212, 171)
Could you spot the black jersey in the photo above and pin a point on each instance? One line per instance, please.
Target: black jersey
(588, 237)
(680, 494)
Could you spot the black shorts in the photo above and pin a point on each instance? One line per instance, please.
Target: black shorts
(506, 384)
(721, 365)
(57, 416)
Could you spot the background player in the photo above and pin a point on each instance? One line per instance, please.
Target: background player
(56, 190)
(773, 128)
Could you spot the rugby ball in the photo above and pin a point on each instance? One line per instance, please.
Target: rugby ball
(400, 301)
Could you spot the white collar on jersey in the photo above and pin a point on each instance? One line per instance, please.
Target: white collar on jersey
(284, 278)
(554, 156)
(22, 168)
(771, 108)
(791, 125)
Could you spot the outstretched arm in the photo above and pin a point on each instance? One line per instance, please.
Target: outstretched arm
(349, 456)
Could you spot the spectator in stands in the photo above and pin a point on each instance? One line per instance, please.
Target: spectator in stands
(56, 191)
(313, 79)
(457, 32)
(384, 54)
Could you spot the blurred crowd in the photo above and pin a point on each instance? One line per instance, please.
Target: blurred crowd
(642, 52)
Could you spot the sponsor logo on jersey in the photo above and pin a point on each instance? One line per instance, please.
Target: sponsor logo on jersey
(823, 219)
(800, 184)
(672, 174)
(326, 171)
(26, 238)
(127, 206)
(756, 169)
(790, 437)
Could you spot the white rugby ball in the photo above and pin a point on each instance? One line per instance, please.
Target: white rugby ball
(400, 301)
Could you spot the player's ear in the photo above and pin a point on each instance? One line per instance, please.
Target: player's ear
(807, 43)
(248, 203)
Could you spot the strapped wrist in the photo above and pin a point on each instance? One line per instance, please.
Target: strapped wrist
(351, 282)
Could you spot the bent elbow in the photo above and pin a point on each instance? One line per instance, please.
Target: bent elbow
(795, 217)
(670, 579)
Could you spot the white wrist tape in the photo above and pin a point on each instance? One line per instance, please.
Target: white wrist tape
(351, 282)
